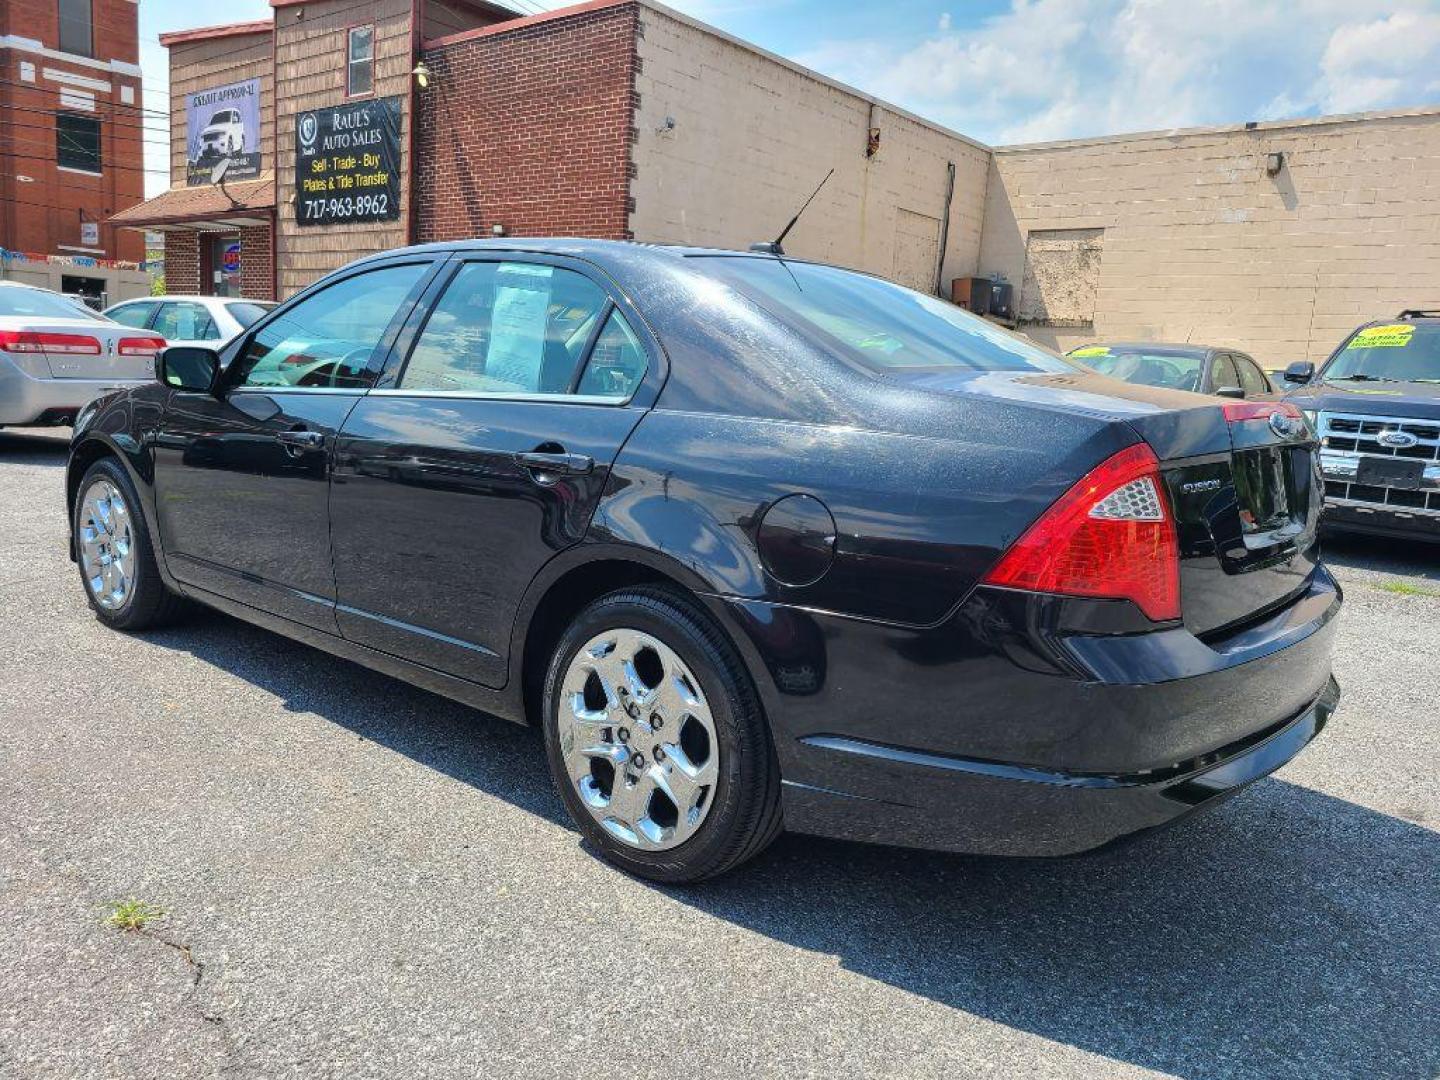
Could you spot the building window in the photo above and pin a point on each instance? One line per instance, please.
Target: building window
(77, 142)
(360, 68)
(76, 32)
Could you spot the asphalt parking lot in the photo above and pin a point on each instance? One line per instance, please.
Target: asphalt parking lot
(364, 880)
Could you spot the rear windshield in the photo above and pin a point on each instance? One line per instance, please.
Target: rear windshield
(41, 304)
(1176, 371)
(248, 314)
(881, 325)
(1396, 352)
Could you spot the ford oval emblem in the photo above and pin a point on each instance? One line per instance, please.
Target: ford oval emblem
(1396, 439)
(1285, 425)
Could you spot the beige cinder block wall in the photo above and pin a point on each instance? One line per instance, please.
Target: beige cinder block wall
(1197, 242)
(752, 136)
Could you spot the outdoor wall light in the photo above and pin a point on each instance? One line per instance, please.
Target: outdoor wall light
(497, 229)
(422, 74)
(1274, 163)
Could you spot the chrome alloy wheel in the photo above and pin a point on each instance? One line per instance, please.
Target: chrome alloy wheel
(638, 739)
(106, 545)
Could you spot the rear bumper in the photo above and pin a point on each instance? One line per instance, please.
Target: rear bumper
(931, 801)
(1001, 732)
(25, 399)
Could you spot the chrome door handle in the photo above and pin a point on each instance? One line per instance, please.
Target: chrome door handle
(559, 464)
(302, 440)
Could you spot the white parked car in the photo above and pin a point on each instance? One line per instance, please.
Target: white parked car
(56, 355)
(190, 320)
(223, 136)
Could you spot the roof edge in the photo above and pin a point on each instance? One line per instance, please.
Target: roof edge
(518, 23)
(1224, 129)
(207, 33)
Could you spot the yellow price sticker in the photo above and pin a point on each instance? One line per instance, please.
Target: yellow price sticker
(1390, 336)
(1091, 350)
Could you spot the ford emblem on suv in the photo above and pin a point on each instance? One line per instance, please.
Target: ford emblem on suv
(1398, 440)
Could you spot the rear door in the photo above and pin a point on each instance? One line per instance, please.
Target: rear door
(242, 476)
(481, 455)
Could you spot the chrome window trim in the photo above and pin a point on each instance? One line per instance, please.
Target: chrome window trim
(500, 395)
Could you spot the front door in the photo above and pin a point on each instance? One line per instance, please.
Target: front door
(455, 485)
(242, 476)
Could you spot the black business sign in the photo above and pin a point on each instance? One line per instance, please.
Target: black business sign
(347, 163)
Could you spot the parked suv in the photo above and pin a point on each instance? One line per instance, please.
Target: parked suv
(224, 135)
(1375, 403)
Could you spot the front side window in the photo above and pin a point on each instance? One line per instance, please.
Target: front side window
(183, 321)
(330, 338)
(881, 325)
(1222, 373)
(360, 61)
(76, 27)
(1395, 352)
(1252, 381)
(77, 142)
(507, 328)
(136, 315)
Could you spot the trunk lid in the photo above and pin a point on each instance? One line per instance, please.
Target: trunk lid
(79, 348)
(1246, 494)
(1246, 519)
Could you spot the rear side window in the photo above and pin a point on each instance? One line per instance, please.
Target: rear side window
(507, 328)
(185, 322)
(881, 325)
(328, 340)
(136, 315)
(617, 363)
(247, 315)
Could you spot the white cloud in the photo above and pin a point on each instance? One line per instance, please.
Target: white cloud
(1050, 69)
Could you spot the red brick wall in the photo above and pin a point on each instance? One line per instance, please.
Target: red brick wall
(182, 263)
(529, 127)
(43, 215)
(257, 264)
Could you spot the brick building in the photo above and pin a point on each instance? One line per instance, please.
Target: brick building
(71, 129)
(420, 120)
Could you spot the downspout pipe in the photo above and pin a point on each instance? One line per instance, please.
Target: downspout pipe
(945, 229)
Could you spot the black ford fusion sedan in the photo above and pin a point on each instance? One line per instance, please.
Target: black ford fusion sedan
(756, 542)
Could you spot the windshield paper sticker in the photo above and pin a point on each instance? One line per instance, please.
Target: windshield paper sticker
(1091, 350)
(1392, 336)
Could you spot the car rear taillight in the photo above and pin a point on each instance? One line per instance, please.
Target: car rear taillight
(1112, 535)
(140, 346)
(26, 341)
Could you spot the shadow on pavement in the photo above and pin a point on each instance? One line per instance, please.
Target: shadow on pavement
(33, 448)
(1286, 933)
(1409, 558)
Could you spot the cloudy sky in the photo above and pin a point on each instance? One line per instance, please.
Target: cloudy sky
(1028, 70)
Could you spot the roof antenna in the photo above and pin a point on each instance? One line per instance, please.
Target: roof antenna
(773, 247)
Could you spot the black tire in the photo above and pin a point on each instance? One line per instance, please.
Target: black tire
(744, 807)
(149, 603)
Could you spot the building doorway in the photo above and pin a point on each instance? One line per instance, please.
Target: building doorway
(221, 260)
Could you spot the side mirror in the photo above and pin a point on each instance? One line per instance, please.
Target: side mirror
(1301, 371)
(1229, 391)
(187, 367)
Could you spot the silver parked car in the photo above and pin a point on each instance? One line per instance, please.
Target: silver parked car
(210, 321)
(56, 355)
